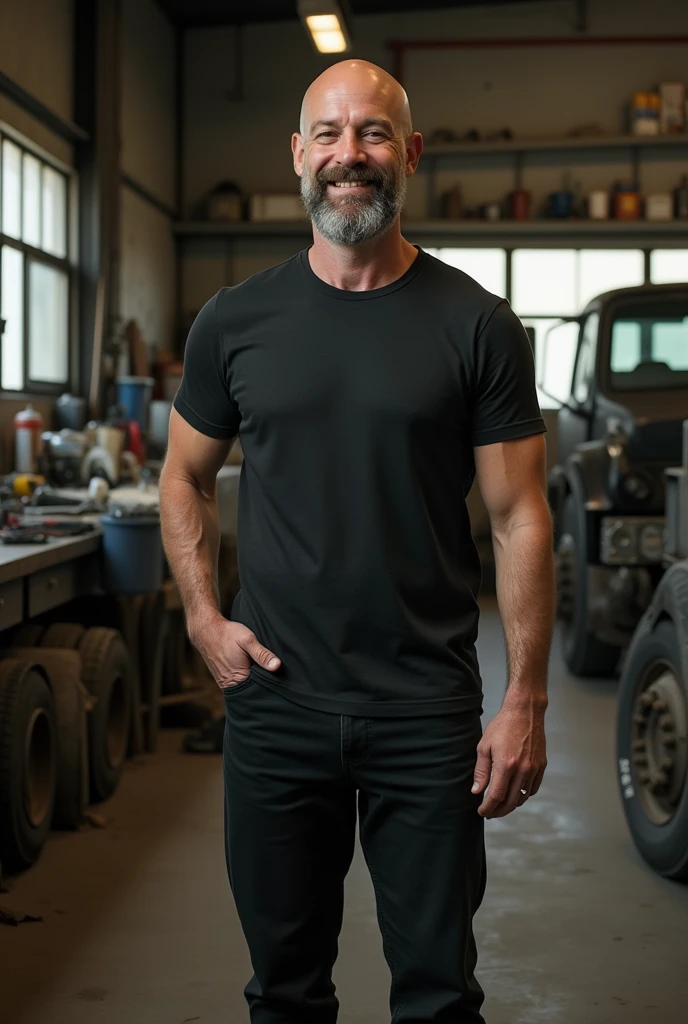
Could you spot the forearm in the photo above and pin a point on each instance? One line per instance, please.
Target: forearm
(525, 592)
(191, 538)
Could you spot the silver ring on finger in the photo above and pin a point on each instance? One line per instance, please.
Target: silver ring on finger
(525, 792)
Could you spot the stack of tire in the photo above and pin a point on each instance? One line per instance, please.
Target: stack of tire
(65, 710)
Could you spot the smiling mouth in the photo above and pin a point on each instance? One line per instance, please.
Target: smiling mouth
(350, 184)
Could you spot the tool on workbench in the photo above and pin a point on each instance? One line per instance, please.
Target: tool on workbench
(24, 484)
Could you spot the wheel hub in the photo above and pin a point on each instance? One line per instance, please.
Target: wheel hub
(659, 748)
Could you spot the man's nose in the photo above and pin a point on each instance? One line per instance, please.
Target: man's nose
(349, 150)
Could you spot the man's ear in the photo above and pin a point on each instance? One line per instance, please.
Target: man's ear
(297, 149)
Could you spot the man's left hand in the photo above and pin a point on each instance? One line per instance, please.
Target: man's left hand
(511, 758)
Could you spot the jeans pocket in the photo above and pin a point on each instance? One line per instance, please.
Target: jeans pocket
(230, 691)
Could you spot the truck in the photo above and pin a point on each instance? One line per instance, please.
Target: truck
(652, 704)
(618, 373)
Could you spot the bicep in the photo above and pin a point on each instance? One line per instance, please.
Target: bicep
(511, 476)
(194, 456)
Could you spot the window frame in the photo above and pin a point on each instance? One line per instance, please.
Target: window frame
(33, 254)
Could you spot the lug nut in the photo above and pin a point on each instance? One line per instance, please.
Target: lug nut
(659, 704)
(639, 719)
(643, 776)
(647, 699)
(638, 745)
(666, 763)
(666, 722)
(640, 759)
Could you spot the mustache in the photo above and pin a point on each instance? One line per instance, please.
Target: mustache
(372, 175)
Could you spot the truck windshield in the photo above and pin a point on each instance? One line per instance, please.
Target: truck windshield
(649, 347)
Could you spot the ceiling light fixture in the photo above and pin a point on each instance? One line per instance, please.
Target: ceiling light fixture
(326, 23)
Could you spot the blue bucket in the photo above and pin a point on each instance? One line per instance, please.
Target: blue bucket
(132, 554)
(134, 396)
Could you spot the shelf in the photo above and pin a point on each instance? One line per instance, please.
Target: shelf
(523, 228)
(553, 144)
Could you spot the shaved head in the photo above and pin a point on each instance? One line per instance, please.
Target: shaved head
(354, 152)
(359, 81)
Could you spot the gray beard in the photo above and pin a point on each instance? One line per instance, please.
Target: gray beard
(353, 220)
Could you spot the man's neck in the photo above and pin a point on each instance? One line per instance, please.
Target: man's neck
(363, 267)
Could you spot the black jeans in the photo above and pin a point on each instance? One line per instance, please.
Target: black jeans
(294, 778)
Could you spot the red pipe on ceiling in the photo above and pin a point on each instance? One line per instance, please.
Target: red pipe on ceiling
(399, 47)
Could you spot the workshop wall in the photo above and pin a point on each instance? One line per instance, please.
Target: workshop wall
(148, 138)
(36, 51)
(529, 90)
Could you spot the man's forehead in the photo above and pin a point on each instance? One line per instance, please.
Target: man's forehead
(350, 106)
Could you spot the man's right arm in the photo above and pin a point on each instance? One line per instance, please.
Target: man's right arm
(191, 538)
(189, 518)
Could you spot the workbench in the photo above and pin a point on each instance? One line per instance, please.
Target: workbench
(38, 578)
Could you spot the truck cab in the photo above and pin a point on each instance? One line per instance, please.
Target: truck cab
(619, 373)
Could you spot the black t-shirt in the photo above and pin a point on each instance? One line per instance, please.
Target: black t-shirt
(357, 413)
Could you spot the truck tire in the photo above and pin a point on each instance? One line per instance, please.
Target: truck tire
(107, 675)
(66, 635)
(652, 747)
(584, 654)
(70, 699)
(28, 757)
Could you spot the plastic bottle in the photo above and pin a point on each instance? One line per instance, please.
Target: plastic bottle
(28, 426)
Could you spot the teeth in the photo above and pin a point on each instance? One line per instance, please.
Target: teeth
(349, 184)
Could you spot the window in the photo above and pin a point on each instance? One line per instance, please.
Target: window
(544, 282)
(602, 270)
(649, 349)
(557, 361)
(668, 266)
(486, 266)
(585, 367)
(35, 271)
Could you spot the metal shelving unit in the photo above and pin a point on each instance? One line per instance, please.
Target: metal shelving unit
(503, 232)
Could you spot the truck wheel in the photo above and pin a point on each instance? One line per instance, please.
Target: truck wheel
(584, 654)
(28, 752)
(107, 675)
(652, 747)
(66, 635)
(63, 672)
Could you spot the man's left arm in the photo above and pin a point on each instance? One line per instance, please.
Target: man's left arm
(511, 476)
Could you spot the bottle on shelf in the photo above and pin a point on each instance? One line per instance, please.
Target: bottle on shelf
(681, 199)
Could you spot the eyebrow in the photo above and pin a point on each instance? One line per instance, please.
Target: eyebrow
(369, 122)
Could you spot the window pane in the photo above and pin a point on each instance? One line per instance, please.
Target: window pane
(544, 281)
(650, 347)
(625, 347)
(668, 266)
(31, 201)
(12, 302)
(11, 189)
(486, 266)
(558, 358)
(540, 327)
(601, 270)
(54, 212)
(49, 324)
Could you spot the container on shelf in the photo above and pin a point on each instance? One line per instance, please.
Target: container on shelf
(519, 203)
(645, 111)
(225, 203)
(134, 396)
(626, 202)
(28, 440)
(659, 206)
(561, 203)
(598, 205)
(672, 107)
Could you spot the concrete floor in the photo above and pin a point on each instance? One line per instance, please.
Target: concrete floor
(138, 923)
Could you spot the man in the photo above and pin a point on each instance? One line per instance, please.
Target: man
(370, 384)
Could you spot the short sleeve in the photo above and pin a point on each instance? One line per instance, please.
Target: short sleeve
(203, 397)
(505, 403)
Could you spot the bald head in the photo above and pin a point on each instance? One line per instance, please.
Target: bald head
(356, 83)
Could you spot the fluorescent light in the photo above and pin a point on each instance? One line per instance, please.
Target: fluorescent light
(326, 24)
(323, 23)
(330, 42)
